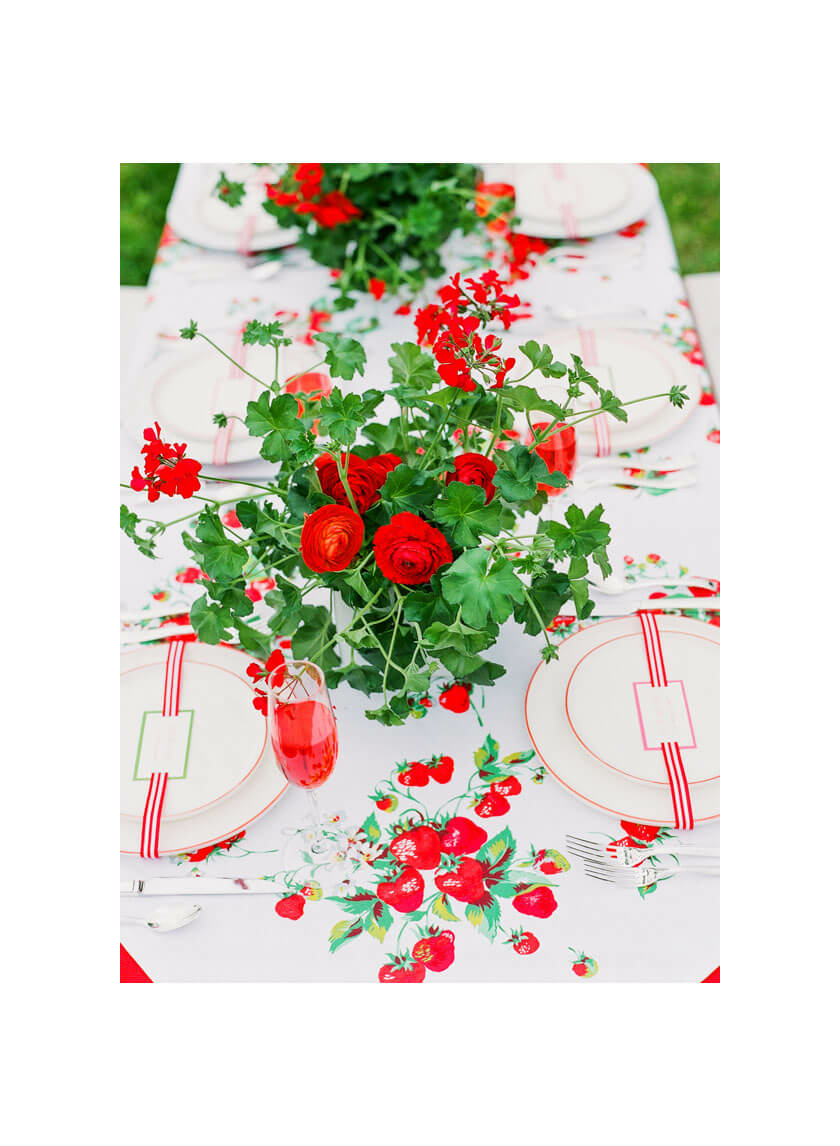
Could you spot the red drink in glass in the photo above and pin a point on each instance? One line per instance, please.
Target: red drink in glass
(559, 452)
(303, 736)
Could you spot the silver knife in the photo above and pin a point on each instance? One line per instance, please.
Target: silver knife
(202, 885)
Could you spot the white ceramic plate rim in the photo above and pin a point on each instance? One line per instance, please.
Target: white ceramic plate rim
(188, 224)
(643, 192)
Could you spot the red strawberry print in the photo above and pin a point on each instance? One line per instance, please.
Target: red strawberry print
(415, 775)
(713, 436)
(435, 952)
(461, 836)
(405, 893)
(291, 907)
(394, 973)
(624, 842)
(646, 832)
(465, 883)
(540, 902)
(231, 519)
(386, 803)
(507, 786)
(419, 848)
(580, 968)
(456, 698)
(441, 769)
(493, 804)
(698, 591)
(526, 944)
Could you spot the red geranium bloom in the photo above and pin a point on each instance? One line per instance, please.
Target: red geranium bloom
(475, 469)
(273, 671)
(408, 550)
(376, 287)
(166, 469)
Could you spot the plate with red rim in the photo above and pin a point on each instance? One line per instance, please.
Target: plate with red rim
(584, 713)
(632, 365)
(196, 213)
(187, 383)
(226, 774)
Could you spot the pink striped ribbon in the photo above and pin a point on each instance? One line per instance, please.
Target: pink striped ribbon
(221, 445)
(567, 211)
(680, 793)
(246, 235)
(589, 353)
(153, 809)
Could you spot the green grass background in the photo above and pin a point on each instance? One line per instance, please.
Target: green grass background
(690, 192)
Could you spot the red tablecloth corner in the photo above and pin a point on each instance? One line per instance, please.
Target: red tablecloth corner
(714, 977)
(130, 969)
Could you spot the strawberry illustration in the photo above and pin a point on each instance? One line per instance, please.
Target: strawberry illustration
(291, 907)
(524, 942)
(645, 832)
(507, 786)
(414, 775)
(441, 769)
(583, 966)
(435, 951)
(465, 883)
(402, 973)
(418, 848)
(493, 804)
(624, 842)
(405, 893)
(386, 803)
(551, 861)
(461, 836)
(312, 891)
(456, 698)
(713, 436)
(539, 901)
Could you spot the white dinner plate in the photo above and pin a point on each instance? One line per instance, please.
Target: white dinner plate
(584, 714)
(226, 774)
(603, 197)
(196, 214)
(189, 382)
(632, 365)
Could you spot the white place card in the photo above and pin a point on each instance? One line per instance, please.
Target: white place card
(164, 744)
(664, 715)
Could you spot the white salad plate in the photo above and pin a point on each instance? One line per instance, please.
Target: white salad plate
(222, 771)
(577, 200)
(631, 364)
(188, 382)
(589, 717)
(195, 212)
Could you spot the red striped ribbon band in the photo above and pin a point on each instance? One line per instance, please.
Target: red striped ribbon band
(674, 768)
(153, 809)
(589, 353)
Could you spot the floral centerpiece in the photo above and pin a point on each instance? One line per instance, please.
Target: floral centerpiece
(378, 226)
(411, 521)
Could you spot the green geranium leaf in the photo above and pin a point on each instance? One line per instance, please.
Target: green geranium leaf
(411, 367)
(408, 489)
(211, 621)
(252, 640)
(518, 473)
(482, 589)
(345, 356)
(190, 331)
(457, 635)
(343, 415)
(462, 509)
(581, 535)
(542, 359)
(315, 631)
(264, 334)
(549, 593)
(128, 524)
(276, 420)
(678, 396)
(229, 191)
(221, 558)
(528, 399)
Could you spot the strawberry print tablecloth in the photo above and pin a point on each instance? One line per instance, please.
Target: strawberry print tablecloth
(452, 830)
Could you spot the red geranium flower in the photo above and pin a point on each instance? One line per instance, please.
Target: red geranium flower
(331, 537)
(166, 469)
(377, 287)
(408, 550)
(475, 469)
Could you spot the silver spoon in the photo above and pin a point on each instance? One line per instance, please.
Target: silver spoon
(167, 918)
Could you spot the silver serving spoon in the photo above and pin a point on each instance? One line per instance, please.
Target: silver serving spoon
(167, 918)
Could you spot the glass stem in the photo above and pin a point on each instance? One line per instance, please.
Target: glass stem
(319, 843)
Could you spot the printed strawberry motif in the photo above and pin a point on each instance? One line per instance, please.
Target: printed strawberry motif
(402, 973)
(386, 803)
(645, 832)
(550, 861)
(405, 893)
(456, 698)
(465, 883)
(583, 966)
(291, 907)
(507, 786)
(539, 901)
(418, 848)
(624, 842)
(436, 952)
(414, 775)
(493, 804)
(713, 436)
(440, 769)
(312, 891)
(461, 836)
(524, 942)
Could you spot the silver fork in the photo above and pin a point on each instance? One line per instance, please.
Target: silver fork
(641, 876)
(596, 852)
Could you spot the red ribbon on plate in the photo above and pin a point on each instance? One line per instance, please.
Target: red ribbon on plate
(156, 792)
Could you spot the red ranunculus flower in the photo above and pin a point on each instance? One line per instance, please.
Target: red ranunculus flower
(408, 550)
(381, 465)
(364, 476)
(331, 537)
(475, 469)
(377, 287)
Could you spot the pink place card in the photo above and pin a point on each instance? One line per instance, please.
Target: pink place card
(664, 715)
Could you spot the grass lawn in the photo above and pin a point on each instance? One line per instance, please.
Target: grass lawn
(690, 192)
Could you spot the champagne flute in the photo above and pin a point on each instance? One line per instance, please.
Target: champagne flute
(303, 734)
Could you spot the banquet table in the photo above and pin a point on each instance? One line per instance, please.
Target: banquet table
(595, 932)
